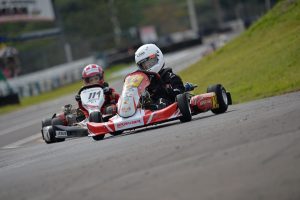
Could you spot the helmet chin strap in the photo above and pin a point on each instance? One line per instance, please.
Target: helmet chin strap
(162, 67)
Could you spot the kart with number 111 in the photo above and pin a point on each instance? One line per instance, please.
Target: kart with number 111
(72, 123)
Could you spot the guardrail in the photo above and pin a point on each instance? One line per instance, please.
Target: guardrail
(46, 80)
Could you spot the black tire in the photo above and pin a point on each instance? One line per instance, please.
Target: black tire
(52, 138)
(221, 98)
(46, 122)
(98, 137)
(96, 117)
(116, 133)
(184, 107)
(57, 121)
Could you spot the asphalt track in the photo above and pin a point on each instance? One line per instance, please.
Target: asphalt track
(250, 152)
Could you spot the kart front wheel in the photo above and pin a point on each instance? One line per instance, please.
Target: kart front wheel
(96, 117)
(184, 107)
(45, 123)
(98, 137)
(221, 98)
(116, 133)
(48, 132)
(48, 135)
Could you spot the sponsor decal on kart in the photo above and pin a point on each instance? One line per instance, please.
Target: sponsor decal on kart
(133, 81)
(129, 124)
(125, 109)
(205, 101)
(214, 102)
(121, 123)
(92, 97)
(61, 133)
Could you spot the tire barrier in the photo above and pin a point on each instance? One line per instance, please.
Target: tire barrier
(9, 99)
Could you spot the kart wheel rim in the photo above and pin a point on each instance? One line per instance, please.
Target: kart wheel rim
(224, 95)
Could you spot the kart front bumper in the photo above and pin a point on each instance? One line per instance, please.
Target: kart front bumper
(69, 131)
(140, 119)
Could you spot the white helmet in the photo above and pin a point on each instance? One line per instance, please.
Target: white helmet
(149, 58)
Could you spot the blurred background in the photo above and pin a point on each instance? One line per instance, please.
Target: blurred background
(53, 34)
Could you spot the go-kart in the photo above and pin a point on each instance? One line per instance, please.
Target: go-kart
(132, 113)
(72, 123)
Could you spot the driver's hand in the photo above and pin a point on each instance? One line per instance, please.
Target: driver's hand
(106, 90)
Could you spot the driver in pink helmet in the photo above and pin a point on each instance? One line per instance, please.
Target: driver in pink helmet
(91, 74)
(94, 74)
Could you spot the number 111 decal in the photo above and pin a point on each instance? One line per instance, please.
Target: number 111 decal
(93, 94)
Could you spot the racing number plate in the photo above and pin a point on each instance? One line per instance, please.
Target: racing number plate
(61, 133)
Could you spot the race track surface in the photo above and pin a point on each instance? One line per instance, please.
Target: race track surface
(250, 152)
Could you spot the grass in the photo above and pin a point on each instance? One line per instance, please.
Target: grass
(47, 96)
(264, 61)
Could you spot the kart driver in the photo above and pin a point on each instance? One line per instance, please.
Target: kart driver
(94, 74)
(164, 84)
(91, 74)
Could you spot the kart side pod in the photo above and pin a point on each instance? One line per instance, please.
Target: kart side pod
(216, 99)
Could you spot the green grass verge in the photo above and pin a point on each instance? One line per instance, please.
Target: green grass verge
(69, 89)
(264, 61)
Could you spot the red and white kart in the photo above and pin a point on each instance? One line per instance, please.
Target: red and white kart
(132, 114)
(67, 124)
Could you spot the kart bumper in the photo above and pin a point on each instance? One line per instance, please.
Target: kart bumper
(140, 119)
(69, 131)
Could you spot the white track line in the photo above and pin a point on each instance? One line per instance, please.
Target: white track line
(23, 141)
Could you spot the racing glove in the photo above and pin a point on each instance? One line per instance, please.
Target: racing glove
(107, 90)
(189, 86)
(173, 92)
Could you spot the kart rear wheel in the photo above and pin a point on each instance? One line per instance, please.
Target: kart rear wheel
(221, 98)
(57, 121)
(96, 117)
(184, 107)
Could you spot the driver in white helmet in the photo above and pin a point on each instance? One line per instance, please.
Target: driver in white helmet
(163, 90)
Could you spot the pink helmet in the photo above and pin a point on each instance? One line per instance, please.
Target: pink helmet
(92, 70)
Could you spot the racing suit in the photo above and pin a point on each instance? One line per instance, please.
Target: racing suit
(165, 86)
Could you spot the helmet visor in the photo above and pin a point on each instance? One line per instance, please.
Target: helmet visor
(148, 63)
(93, 79)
